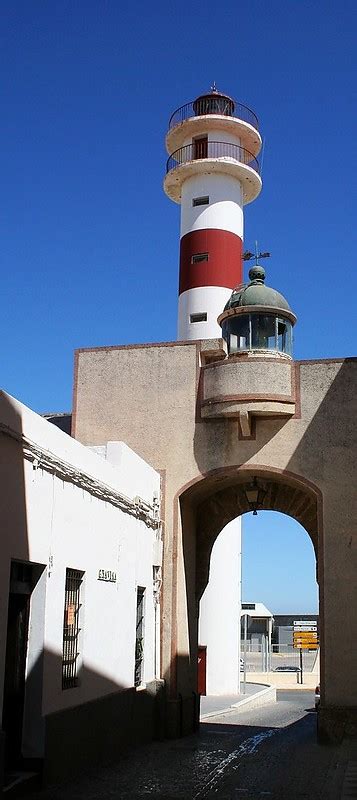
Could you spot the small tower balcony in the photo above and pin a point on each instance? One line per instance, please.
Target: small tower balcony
(214, 112)
(257, 380)
(206, 157)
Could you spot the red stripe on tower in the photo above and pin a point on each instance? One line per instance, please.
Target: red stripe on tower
(210, 258)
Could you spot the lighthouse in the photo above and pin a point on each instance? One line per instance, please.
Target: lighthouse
(212, 171)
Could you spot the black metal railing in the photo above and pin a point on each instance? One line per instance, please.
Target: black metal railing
(71, 629)
(214, 105)
(139, 636)
(201, 150)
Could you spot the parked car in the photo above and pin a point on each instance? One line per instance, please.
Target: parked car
(317, 696)
(287, 668)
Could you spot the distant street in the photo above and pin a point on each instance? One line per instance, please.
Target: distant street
(254, 660)
(270, 753)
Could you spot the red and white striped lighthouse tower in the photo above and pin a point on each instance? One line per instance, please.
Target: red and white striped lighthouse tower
(212, 171)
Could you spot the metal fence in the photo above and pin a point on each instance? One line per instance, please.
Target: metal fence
(214, 104)
(281, 658)
(223, 150)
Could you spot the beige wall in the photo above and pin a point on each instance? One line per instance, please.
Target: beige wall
(150, 396)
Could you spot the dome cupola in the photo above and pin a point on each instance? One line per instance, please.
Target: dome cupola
(257, 318)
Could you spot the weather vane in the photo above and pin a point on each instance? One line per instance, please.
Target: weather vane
(247, 256)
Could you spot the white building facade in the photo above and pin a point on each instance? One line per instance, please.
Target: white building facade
(80, 588)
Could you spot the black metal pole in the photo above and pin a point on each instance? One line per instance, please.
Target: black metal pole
(301, 680)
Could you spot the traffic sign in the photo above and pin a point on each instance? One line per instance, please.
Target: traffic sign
(305, 622)
(305, 628)
(305, 639)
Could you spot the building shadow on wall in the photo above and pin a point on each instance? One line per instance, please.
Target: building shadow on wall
(90, 723)
(85, 733)
(323, 459)
(15, 581)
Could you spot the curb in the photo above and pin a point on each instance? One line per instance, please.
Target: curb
(266, 695)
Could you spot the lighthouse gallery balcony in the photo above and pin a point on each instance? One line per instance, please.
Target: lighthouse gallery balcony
(213, 104)
(224, 157)
(214, 112)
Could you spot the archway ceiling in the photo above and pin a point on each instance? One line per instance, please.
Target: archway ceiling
(222, 505)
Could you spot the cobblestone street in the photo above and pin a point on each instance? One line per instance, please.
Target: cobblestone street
(270, 753)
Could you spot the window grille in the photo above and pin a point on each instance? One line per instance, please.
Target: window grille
(139, 638)
(71, 629)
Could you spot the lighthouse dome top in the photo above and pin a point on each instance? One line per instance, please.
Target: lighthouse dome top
(214, 102)
(256, 293)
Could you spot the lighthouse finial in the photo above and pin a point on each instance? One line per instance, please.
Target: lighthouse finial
(214, 87)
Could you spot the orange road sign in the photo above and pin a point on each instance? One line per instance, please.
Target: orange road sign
(305, 639)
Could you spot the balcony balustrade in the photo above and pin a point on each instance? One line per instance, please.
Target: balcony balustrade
(213, 150)
(214, 104)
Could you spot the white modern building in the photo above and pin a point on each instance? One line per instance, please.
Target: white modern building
(256, 632)
(79, 596)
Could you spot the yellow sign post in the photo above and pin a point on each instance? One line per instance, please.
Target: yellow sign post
(304, 638)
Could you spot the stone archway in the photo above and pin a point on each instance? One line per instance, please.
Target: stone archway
(224, 499)
(207, 504)
(195, 413)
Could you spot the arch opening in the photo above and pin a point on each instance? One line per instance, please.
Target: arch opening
(207, 505)
(218, 498)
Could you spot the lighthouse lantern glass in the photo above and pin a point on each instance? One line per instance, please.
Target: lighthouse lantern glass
(244, 332)
(263, 332)
(213, 104)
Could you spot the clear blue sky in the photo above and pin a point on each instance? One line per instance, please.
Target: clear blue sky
(89, 241)
(278, 564)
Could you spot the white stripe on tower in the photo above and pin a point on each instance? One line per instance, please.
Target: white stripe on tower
(213, 230)
(212, 172)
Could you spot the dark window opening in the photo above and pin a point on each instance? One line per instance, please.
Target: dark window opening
(198, 317)
(139, 636)
(200, 201)
(197, 257)
(200, 147)
(71, 629)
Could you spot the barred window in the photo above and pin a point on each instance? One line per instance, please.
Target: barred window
(139, 637)
(71, 628)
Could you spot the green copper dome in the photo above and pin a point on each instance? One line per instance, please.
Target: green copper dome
(256, 293)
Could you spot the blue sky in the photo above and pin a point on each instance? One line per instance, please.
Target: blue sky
(89, 241)
(278, 564)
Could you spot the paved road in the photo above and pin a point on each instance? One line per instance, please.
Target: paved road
(292, 658)
(264, 754)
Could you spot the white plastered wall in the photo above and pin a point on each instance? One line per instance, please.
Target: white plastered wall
(64, 525)
(219, 622)
(225, 208)
(203, 299)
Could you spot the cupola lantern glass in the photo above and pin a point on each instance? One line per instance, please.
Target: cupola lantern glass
(257, 318)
